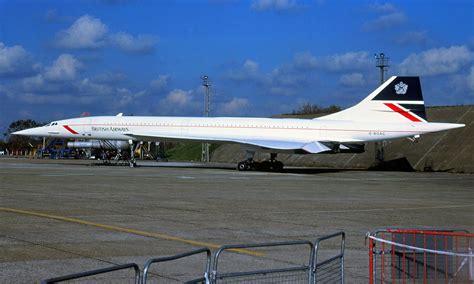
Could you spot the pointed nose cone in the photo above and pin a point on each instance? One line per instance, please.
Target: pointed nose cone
(36, 131)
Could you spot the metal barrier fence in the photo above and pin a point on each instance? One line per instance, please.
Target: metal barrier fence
(294, 274)
(421, 256)
(96, 272)
(329, 270)
(204, 279)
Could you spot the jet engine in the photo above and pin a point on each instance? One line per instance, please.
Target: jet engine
(100, 144)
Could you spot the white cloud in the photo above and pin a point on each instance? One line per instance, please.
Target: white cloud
(178, 98)
(250, 66)
(64, 68)
(250, 70)
(57, 78)
(282, 80)
(386, 21)
(275, 5)
(389, 17)
(354, 60)
(302, 72)
(235, 106)
(437, 61)
(470, 79)
(59, 83)
(289, 79)
(6, 92)
(305, 61)
(384, 8)
(14, 61)
(89, 32)
(126, 97)
(288, 76)
(352, 80)
(160, 83)
(52, 16)
(85, 91)
(60, 99)
(110, 78)
(90, 88)
(413, 37)
(282, 90)
(85, 32)
(129, 43)
(34, 82)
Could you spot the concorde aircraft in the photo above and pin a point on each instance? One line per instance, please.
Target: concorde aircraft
(394, 110)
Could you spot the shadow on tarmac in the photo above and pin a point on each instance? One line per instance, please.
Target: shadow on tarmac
(399, 165)
(232, 167)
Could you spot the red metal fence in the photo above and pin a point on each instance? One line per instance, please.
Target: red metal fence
(420, 256)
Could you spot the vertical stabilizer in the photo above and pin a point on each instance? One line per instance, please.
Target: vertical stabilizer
(399, 99)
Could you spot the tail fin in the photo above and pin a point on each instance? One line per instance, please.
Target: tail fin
(399, 99)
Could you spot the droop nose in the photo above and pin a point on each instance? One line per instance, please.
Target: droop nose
(37, 131)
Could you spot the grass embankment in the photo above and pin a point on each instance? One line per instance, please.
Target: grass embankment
(187, 151)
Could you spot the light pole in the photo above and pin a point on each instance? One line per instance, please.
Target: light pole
(207, 110)
(381, 62)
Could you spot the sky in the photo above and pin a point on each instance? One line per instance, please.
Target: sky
(63, 59)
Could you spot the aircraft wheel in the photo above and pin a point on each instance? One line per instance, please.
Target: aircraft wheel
(242, 166)
(278, 166)
(266, 166)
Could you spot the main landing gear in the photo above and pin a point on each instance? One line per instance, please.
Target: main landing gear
(270, 165)
(133, 146)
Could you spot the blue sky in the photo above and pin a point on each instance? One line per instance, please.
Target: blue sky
(59, 59)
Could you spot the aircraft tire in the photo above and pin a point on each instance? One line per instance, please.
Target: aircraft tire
(266, 166)
(242, 166)
(278, 166)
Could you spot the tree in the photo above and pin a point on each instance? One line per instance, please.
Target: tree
(20, 142)
(3, 145)
(308, 108)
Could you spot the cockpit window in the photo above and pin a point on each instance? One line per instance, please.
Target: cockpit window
(49, 124)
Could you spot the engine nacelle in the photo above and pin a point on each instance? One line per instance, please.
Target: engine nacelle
(352, 148)
(100, 144)
(344, 148)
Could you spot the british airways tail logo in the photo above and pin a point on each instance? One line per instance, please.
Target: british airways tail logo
(401, 88)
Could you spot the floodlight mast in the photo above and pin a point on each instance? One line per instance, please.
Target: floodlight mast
(205, 158)
(381, 62)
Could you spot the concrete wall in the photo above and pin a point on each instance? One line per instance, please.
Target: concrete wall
(445, 151)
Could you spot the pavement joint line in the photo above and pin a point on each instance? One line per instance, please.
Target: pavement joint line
(59, 249)
(439, 140)
(126, 230)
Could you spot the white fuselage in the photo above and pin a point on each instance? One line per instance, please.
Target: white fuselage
(394, 110)
(219, 129)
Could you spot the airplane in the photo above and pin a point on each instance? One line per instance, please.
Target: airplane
(394, 110)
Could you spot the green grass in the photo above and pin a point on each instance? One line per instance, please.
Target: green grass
(186, 151)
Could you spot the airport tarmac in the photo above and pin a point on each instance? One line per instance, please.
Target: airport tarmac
(60, 217)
